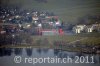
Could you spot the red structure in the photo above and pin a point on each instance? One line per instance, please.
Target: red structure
(61, 32)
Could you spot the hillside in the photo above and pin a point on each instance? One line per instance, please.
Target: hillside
(67, 10)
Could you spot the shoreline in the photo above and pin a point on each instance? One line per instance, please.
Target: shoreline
(69, 49)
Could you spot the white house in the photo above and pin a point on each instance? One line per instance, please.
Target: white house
(92, 27)
(35, 18)
(35, 13)
(58, 23)
(79, 28)
(40, 25)
(96, 27)
(89, 28)
(86, 28)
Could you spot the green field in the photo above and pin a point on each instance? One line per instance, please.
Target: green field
(91, 39)
(64, 42)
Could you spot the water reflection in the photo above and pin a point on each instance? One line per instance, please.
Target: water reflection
(5, 52)
(45, 50)
(56, 52)
(39, 50)
(29, 51)
(8, 52)
(18, 51)
(64, 54)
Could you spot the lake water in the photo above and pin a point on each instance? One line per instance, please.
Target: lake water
(35, 57)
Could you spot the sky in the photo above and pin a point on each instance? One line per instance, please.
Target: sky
(68, 10)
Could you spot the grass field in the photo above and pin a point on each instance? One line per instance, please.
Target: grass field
(64, 42)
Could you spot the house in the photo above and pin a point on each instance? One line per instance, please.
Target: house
(35, 18)
(1, 30)
(6, 28)
(96, 27)
(93, 27)
(35, 13)
(86, 28)
(40, 25)
(58, 23)
(89, 28)
(79, 28)
(49, 32)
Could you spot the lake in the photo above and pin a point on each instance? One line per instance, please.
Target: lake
(45, 57)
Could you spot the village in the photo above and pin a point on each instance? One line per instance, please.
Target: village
(34, 28)
(34, 22)
(38, 23)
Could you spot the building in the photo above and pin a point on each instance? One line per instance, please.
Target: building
(35, 18)
(49, 32)
(93, 27)
(96, 27)
(79, 28)
(89, 28)
(86, 28)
